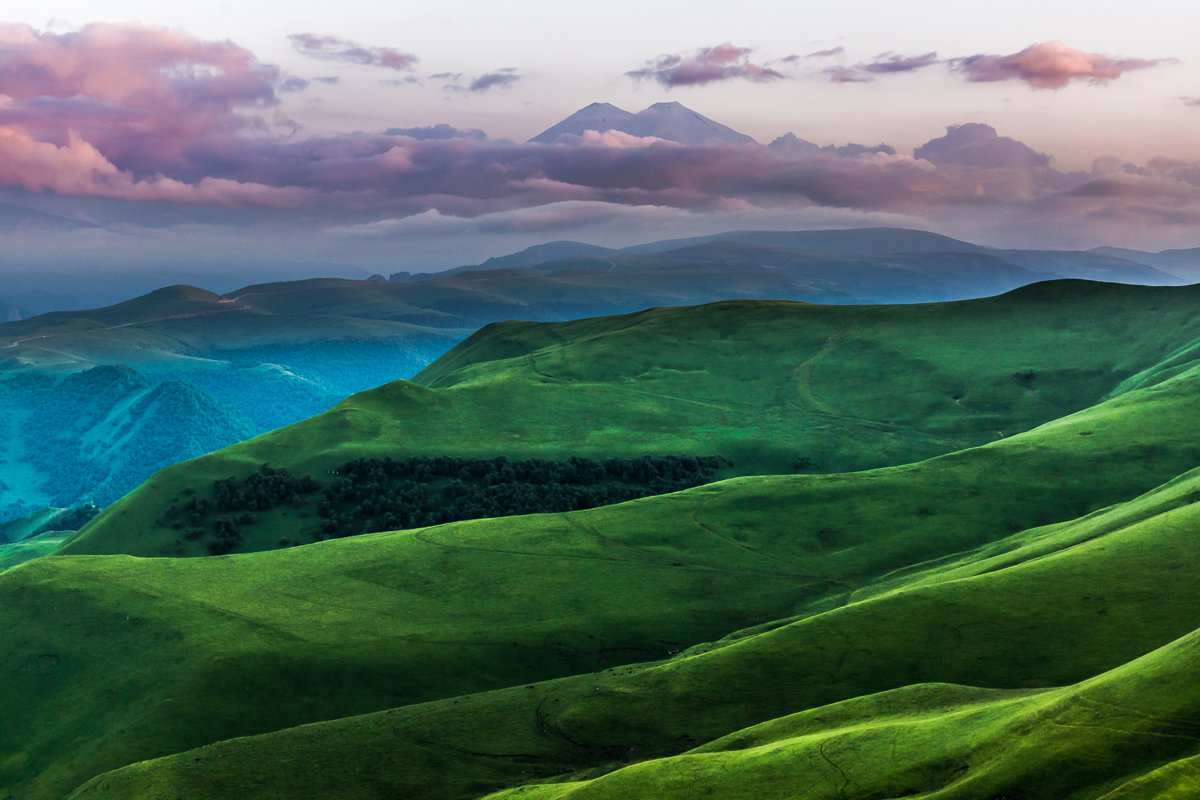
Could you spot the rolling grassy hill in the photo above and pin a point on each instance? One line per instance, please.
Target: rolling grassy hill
(261, 643)
(772, 387)
(1129, 732)
(988, 593)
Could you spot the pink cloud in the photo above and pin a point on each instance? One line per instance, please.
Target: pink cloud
(141, 95)
(79, 169)
(130, 65)
(332, 48)
(707, 65)
(620, 139)
(978, 145)
(1050, 65)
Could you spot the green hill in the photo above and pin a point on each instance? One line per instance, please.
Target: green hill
(772, 387)
(274, 640)
(1017, 618)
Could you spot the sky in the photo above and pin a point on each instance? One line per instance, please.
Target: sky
(394, 136)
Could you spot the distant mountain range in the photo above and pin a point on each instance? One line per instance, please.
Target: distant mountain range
(15, 218)
(868, 264)
(31, 288)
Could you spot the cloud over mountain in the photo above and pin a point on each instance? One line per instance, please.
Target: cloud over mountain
(969, 173)
(1050, 65)
(978, 145)
(439, 131)
(721, 62)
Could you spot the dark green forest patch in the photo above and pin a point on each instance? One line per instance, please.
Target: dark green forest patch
(382, 494)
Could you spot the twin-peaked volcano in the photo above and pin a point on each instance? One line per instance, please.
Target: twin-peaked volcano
(672, 121)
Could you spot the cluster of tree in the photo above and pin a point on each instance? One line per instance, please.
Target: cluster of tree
(574, 470)
(387, 494)
(381, 494)
(261, 490)
(224, 536)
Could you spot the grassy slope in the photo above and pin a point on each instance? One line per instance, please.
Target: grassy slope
(246, 644)
(394, 619)
(794, 710)
(765, 384)
(1104, 736)
(13, 553)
